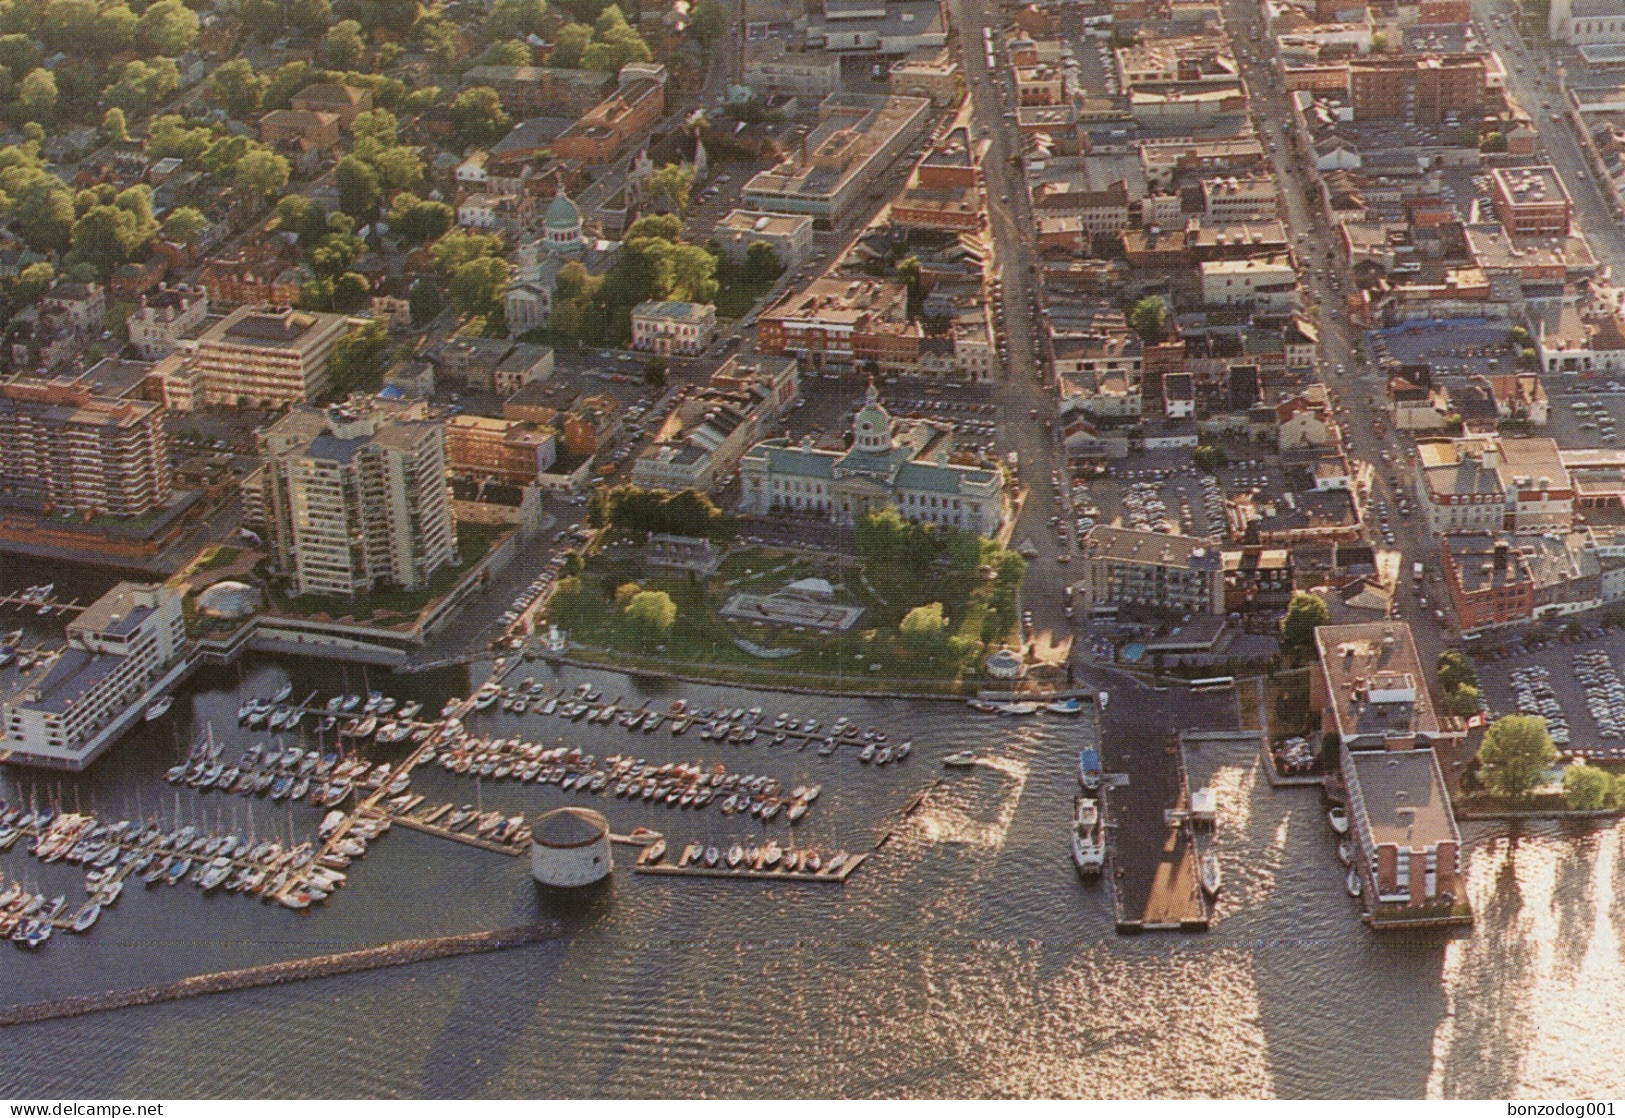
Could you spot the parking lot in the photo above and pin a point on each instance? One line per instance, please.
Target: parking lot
(1575, 683)
(1166, 492)
(1587, 419)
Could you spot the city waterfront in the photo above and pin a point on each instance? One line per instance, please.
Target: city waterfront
(965, 959)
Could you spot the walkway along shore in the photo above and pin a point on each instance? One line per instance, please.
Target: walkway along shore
(275, 974)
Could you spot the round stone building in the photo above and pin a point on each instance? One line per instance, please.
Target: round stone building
(569, 847)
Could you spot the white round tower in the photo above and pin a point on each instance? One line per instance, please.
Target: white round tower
(871, 427)
(569, 848)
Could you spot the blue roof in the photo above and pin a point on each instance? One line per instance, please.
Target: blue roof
(71, 677)
(335, 449)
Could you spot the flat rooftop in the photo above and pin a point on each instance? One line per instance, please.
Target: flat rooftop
(1404, 797)
(1375, 682)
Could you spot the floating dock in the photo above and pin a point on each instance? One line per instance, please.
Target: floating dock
(421, 827)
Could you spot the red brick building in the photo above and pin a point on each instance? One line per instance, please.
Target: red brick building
(1489, 580)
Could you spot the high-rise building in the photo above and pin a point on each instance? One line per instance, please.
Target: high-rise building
(65, 449)
(356, 496)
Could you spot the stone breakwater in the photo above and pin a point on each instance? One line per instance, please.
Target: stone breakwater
(394, 954)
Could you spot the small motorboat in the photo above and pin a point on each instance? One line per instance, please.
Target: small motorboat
(1212, 879)
(652, 853)
(1353, 884)
(736, 855)
(1064, 706)
(1338, 817)
(963, 759)
(1345, 853)
(158, 709)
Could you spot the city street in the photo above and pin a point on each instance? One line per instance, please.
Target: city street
(1018, 388)
(1358, 386)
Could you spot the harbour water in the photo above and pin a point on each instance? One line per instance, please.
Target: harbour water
(964, 959)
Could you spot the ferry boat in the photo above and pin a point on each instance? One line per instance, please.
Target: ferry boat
(158, 709)
(1088, 837)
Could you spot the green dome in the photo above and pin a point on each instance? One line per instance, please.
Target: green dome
(562, 213)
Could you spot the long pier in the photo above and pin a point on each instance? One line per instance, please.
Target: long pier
(273, 974)
(41, 606)
(745, 873)
(422, 827)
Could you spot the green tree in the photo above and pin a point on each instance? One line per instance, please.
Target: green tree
(514, 19)
(426, 300)
(476, 114)
(418, 220)
(36, 96)
(708, 22)
(358, 187)
(105, 237)
(167, 27)
(1515, 754)
(477, 286)
(289, 79)
(458, 248)
(20, 53)
(1304, 614)
(374, 130)
(34, 281)
(358, 357)
(506, 52)
(1150, 318)
(1464, 701)
(184, 225)
(762, 262)
(650, 614)
(924, 629)
(141, 85)
(343, 45)
(398, 168)
(115, 130)
(235, 87)
(654, 372)
(1210, 458)
(1456, 670)
(674, 182)
(1586, 788)
(67, 24)
(569, 45)
(261, 173)
(45, 216)
(170, 136)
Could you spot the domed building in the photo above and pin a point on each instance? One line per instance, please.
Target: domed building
(905, 465)
(229, 600)
(561, 235)
(569, 848)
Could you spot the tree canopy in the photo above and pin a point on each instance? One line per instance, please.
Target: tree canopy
(1304, 614)
(1515, 754)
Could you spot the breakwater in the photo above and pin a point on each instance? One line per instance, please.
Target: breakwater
(394, 954)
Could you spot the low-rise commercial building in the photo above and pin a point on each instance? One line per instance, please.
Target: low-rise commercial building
(672, 327)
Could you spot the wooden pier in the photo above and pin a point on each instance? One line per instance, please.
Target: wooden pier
(421, 827)
(40, 606)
